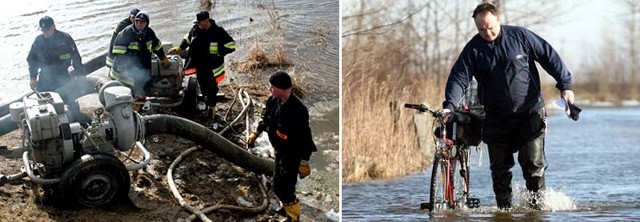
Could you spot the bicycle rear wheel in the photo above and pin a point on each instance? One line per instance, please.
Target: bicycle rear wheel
(460, 178)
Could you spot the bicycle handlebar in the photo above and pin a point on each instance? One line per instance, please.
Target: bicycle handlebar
(419, 107)
(455, 116)
(423, 108)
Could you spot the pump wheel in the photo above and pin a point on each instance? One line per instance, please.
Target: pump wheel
(189, 102)
(95, 180)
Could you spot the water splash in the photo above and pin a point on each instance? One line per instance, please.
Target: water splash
(552, 200)
(558, 201)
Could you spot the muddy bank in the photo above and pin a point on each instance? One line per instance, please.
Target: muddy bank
(202, 178)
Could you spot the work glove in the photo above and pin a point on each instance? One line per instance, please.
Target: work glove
(304, 170)
(175, 51)
(445, 114)
(166, 63)
(252, 139)
(33, 83)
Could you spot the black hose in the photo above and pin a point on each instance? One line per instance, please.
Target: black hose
(95, 63)
(178, 126)
(7, 125)
(4, 107)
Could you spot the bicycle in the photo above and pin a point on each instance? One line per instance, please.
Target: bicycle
(448, 190)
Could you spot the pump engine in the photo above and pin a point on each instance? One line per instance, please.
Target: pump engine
(78, 161)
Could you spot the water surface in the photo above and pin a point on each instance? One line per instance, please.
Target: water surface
(593, 175)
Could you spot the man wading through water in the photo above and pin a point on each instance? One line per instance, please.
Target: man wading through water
(502, 59)
(286, 120)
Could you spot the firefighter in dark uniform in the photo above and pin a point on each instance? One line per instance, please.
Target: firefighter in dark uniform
(208, 43)
(123, 24)
(286, 120)
(502, 59)
(132, 54)
(50, 57)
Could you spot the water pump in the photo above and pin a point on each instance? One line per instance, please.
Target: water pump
(76, 162)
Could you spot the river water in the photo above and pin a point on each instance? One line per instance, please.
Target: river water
(592, 176)
(308, 33)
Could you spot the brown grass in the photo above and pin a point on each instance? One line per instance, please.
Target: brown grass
(274, 16)
(259, 58)
(207, 5)
(379, 136)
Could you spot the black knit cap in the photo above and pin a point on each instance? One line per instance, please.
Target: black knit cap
(134, 11)
(203, 15)
(280, 80)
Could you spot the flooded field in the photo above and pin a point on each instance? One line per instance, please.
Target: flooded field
(592, 176)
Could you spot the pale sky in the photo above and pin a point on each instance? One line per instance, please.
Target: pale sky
(580, 33)
(576, 35)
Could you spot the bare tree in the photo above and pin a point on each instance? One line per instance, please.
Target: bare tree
(631, 21)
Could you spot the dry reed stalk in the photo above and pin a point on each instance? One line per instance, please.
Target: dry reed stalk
(376, 143)
(380, 72)
(259, 59)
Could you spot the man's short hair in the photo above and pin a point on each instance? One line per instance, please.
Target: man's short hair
(280, 80)
(484, 8)
(201, 16)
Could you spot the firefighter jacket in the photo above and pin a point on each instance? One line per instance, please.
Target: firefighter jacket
(207, 49)
(123, 24)
(288, 127)
(132, 50)
(52, 57)
(508, 80)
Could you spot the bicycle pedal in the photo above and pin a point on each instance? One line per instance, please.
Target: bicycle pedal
(473, 202)
(426, 206)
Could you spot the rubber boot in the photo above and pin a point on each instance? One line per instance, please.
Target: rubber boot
(292, 210)
(502, 189)
(503, 204)
(211, 113)
(210, 118)
(536, 201)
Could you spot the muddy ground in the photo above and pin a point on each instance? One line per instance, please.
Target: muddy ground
(202, 178)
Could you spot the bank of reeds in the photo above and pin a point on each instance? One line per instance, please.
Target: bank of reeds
(378, 135)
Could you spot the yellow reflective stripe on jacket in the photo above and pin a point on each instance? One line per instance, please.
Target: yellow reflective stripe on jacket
(213, 48)
(118, 49)
(157, 47)
(218, 71)
(134, 46)
(109, 62)
(230, 45)
(113, 75)
(65, 56)
(186, 38)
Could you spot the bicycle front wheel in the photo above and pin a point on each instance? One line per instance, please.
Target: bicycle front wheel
(441, 186)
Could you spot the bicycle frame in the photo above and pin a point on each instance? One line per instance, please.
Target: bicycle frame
(443, 193)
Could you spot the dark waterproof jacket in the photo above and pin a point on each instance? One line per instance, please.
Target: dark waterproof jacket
(52, 57)
(132, 49)
(207, 48)
(123, 24)
(508, 80)
(288, 127)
